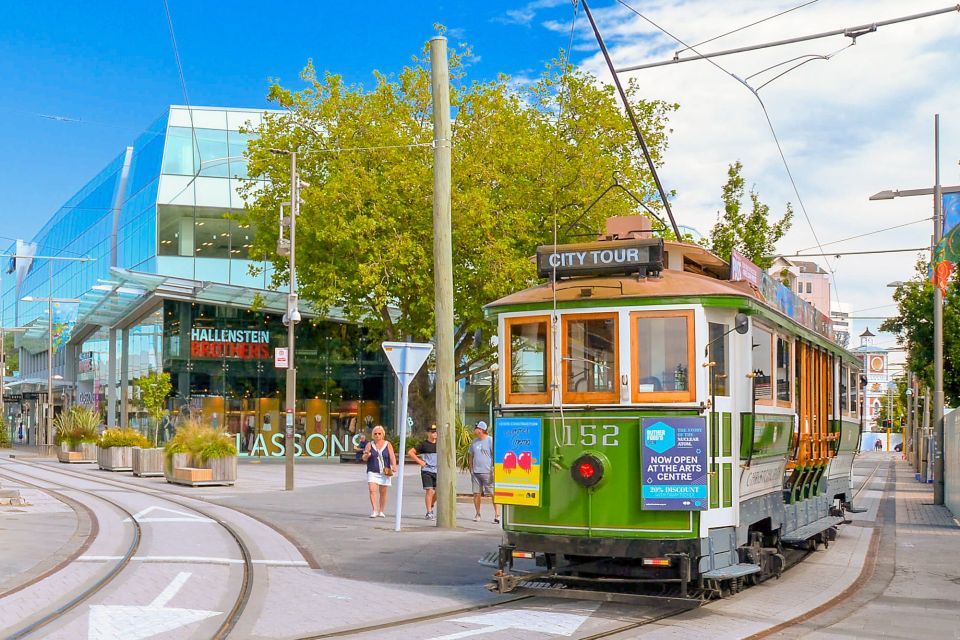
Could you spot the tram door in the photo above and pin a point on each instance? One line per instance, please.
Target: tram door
(810, 446)
(722, 389)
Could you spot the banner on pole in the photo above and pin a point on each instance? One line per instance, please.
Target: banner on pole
(64, 319)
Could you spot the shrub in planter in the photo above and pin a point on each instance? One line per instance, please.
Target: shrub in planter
(205, 447)
(116, 448)
(76, 434)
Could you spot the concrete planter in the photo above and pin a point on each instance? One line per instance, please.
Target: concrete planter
(116, 459)
(147, 462)
(190, 471)
(84, 452)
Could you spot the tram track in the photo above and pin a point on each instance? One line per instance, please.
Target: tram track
(246, 582)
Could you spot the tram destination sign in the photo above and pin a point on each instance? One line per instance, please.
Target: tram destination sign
(644, 256)
(674, 459)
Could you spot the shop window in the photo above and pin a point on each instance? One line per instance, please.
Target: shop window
(663, 356)
(762, 363)
(718, 341)
(528, 354)
(783, 370)
(590, 358)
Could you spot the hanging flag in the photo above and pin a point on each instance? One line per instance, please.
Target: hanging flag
(947, 252)
(64, 318)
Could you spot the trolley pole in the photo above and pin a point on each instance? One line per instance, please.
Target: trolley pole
(443, 288)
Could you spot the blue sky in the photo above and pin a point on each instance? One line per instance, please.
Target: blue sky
(111, 65)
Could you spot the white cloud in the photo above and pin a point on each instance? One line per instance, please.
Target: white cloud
(525, 14)
(850, 126)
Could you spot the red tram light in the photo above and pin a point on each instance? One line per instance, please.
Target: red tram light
(587, 470)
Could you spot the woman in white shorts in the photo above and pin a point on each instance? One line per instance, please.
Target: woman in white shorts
(381, 463)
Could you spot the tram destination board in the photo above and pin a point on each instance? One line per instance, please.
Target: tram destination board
(644, 257)
(674, 458)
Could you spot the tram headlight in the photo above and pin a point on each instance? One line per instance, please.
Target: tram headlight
(587, 470)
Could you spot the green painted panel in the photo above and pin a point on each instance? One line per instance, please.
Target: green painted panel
(770, 435)
(727, 484)
(727, 436)
(613, 507)
(714, 486)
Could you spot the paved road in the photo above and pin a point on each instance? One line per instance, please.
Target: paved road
(318, 565)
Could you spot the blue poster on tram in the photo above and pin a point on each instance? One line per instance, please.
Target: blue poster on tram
(517, 459)
(674, 457)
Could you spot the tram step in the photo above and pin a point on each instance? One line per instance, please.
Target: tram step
(733, 571)
(808, 531)
(853, 509)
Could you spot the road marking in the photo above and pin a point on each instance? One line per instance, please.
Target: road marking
(179, 516)
(552, 622)
(133, 622)
(196, 560)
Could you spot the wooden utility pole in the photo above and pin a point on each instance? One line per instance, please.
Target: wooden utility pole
(443, 289)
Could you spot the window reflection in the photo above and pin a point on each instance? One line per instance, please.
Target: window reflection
(762, 361)
(202, 232)
(783, 370)
(718, 345)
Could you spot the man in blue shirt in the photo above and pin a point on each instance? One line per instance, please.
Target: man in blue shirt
(480, 455)
(425, 455)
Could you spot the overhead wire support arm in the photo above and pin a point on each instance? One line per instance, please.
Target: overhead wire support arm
(850, 32)
(633, 119)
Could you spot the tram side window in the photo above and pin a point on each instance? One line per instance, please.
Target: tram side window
(762, 363)
(528, 350)
(718, 344)
(853, 389)
(783, 370)
(844, 396)
(663, 356)
(590, 358)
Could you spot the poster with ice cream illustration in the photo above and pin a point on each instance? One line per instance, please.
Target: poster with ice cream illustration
(517, 456)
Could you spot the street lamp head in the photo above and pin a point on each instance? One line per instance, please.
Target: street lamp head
(27, 298)
(896, 284)
(884, 195)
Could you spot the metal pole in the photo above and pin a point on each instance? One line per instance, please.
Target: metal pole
(291, 326)
(443, 288)
(402, 454)
(48, 439)
(937, 328)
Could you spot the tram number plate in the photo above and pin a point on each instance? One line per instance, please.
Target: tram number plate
(591, 435)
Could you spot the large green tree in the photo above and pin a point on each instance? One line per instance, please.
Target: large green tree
(750, 232)
(914, 329)
(527, 160)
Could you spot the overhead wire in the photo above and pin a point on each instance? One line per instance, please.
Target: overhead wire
(773, 132)
(868, 233)
(747, 26)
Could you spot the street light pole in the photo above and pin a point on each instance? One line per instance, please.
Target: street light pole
(938, 486)
(292, 316)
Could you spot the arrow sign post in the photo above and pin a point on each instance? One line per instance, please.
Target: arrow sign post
(406, 358)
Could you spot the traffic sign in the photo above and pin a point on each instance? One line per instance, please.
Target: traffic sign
(280, 359)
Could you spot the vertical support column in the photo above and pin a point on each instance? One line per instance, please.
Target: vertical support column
(938, 399)
(112, 378)
(125, 378)
(443, 288)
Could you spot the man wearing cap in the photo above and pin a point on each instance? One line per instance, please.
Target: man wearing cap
(480, 455)
(425, 455)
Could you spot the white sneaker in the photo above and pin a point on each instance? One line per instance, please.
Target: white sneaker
(476, 518)
(373, 514)
(381, 515)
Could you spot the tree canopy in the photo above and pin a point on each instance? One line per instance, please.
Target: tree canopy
(751, 233)
(914, 329)
(527, 160)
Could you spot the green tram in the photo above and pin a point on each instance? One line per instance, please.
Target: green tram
(627, 336)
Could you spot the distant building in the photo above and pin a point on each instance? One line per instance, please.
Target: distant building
(808, 279)
(841, 324)
(876, 366)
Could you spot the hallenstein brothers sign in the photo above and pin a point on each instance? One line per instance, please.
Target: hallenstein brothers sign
(243, 344)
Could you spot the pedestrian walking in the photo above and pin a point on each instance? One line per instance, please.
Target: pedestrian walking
(425, 455)
(381, 461)
(877, 445)
(480, 457)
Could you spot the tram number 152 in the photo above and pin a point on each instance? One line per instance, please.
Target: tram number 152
(590, 435)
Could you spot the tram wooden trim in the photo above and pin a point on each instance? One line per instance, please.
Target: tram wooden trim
(590, 397)
(527, 398)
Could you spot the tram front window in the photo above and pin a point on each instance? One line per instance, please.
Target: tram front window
(590, 358)
(762, 363)
(662, 356)
(527, 349)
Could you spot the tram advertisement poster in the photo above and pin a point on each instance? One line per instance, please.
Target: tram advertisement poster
(517, 451)
(674, 457)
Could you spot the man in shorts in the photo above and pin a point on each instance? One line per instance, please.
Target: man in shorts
(480, 456)
(425, 455)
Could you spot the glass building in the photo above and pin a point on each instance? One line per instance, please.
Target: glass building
(165, 284)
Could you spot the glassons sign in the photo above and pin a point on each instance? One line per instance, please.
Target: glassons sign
(243, 344)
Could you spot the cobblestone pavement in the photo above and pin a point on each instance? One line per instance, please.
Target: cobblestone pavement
(320, 566)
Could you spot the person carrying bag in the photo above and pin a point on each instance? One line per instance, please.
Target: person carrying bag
(381, 465)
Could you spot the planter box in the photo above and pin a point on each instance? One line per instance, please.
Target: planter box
(147, 462)
(116, 459)
(192, 472)
(85, 452)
